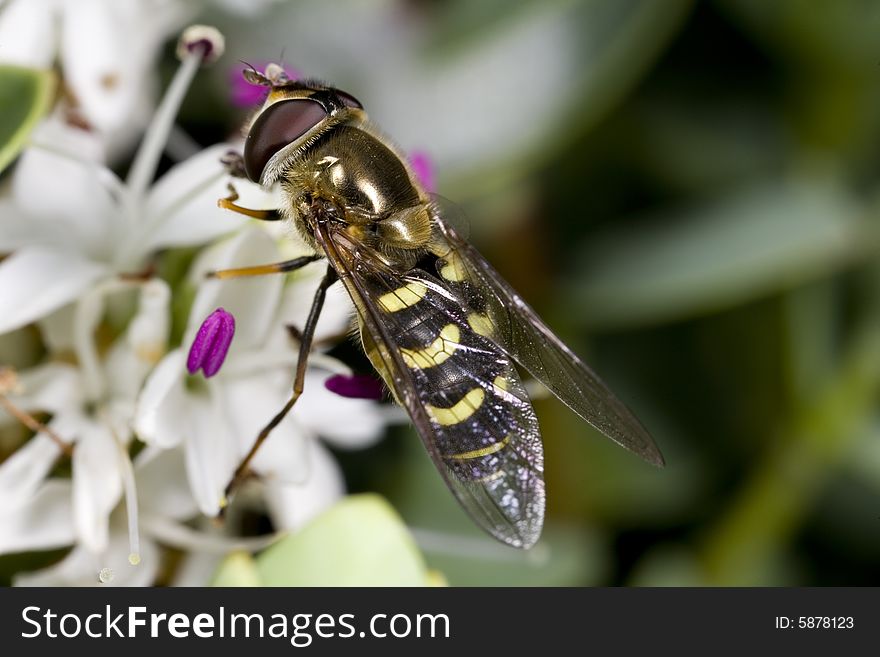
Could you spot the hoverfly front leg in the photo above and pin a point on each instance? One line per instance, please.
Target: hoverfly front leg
(260, 270)
(233, 162)
(305, 346)
(229, 203)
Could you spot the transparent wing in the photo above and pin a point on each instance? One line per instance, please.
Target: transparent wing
(462, 392)
(523, 336)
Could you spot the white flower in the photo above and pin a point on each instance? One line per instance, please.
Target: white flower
(83, 244)
(217, 419)
(107, 50)
(66, 212)
(80, 239)
(98, 430)
(165, 503)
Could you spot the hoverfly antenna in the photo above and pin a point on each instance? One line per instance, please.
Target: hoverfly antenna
(253, 76)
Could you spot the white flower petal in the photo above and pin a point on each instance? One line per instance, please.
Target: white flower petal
(125, 374)
(337, 314)
(147, 334)
(22, 473)
(182, 206)
(251, 402)
(162, 408)
(36, 280)
(17, 229)
(77, 212)
(162, 484)
(341, 421)
(82, 567)
(108, 51)
(129, 361)
(293, 505)
(210, 456)
(252, 301)
(56, 329)
(97, 484)
(52, 387)
(45, 522)
(252, 195)
(27, 33)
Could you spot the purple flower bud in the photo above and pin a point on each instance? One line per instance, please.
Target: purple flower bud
(208, 350)
(357, 386)
(424, 170)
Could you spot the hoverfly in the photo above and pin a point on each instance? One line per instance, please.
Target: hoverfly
(439, 324)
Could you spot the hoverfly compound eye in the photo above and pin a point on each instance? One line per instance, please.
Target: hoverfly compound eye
(348, 100)
(278, 125)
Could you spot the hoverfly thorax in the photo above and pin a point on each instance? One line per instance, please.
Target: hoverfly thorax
(316, 142)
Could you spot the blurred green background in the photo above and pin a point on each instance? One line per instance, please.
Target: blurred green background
(688, 192)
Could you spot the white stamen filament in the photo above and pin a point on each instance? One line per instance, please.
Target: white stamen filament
(156, 220)
(148, 331)
(131, 504)
(172, 533)
(147, 157)
(86, 317)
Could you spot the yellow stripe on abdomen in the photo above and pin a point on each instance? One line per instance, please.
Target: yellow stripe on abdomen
(453, 270)
(480, 324)
(459, 412)
(437, 352)
(403, 297)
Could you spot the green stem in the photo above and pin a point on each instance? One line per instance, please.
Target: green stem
(771, 506)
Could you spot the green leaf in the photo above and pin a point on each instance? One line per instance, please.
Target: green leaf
(843, 32)
(617, 43)
(564, 556)
(359, 542)
(237, 569)
(25, 96)
(758, 241)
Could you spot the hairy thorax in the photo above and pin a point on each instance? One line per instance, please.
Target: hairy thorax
(351, 178)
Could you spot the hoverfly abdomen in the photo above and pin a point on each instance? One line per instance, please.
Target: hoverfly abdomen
(471, 391)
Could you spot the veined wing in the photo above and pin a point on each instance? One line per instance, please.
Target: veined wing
(461, 391)
(523, 336)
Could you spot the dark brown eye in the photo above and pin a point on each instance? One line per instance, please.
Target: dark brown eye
(278, 125)
(348, 100)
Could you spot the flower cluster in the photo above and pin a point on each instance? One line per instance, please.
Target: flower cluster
(138, 445)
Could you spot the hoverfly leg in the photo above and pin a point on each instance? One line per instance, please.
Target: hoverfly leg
(229, 203)
(296, 335)
(305, 346)
(261, 270)
(233, 162)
